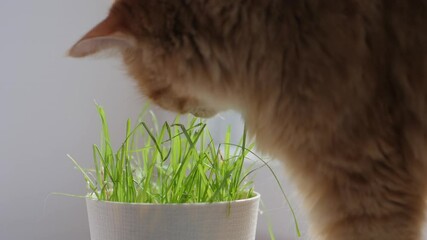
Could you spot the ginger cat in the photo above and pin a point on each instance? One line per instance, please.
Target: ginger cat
(335, 89)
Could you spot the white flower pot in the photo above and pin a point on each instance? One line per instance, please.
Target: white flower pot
(235, 220)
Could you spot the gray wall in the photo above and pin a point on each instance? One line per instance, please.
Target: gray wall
(47, 111)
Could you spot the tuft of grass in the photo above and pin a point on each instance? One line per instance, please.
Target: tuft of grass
(171, 163)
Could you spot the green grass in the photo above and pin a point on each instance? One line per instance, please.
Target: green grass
(171, 163)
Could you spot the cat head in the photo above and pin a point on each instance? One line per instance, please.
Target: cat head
(168, 47)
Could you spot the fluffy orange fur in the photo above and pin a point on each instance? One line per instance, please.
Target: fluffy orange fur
(335, 89)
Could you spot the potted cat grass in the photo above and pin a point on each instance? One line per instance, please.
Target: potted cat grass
(170, 182)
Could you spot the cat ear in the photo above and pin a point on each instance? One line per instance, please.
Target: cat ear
(106, 35)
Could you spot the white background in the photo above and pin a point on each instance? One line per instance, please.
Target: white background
(47, 111)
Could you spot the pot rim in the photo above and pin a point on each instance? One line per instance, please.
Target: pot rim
(254, 198)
